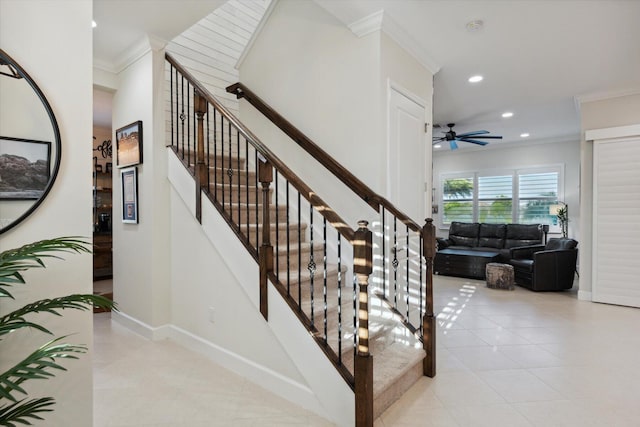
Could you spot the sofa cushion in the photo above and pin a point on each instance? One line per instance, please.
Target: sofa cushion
(560, 243)
(492, 235)
(464, 233)
(523, 235)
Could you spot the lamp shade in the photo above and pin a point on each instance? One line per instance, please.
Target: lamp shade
(553, 209)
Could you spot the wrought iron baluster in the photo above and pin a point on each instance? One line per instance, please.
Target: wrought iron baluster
(384, 254)
(246, 180)
(222, 169)
(339, 299)
(299, 254)
(420, 287)
(182, 116)
(239, 177)
(288, 242)
(324, 275)
(171, 97)
(312, 264)
(355, 312)
(256, 202)
(215, 156)
(395, 262)
(277, 230)
(230, 172)
(189, 148)
(208, 162)
(408, 273)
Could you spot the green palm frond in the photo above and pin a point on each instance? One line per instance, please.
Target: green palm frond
(14, 261)
(37, 366)
(20, 411)
(15, 320)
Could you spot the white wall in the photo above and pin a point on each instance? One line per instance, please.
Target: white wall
(37, 34)
(141, 252)
(326, 81)
(333, 86)
(598, 114)
(512, 157)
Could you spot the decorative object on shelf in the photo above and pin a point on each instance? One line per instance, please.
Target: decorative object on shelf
(104, 149)
(129, 180)
(129, 145)
(43, 362)
(24, 168)
(561, 210)
(29, 154)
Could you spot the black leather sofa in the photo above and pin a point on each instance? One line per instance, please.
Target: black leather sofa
(457, 254)
(549, 267)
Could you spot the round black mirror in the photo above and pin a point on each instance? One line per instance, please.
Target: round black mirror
(30, 147)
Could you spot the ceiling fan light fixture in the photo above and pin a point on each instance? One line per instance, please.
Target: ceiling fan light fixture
(507, 114)
(475, 79)
(474, 26)
(524, 135)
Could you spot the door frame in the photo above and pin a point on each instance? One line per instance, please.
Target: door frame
(394, 86)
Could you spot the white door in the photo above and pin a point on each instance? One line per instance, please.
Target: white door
(616, 221)
(406, 155)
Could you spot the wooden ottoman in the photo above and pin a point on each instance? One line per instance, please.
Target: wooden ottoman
(499, 276)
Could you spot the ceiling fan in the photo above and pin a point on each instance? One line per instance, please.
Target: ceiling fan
(472, 137)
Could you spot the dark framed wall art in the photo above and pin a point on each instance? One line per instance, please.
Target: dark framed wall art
(24, 168)
(129, 180)
(129, 145)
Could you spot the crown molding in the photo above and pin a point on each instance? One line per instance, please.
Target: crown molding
(381, 21)
(256, 33)
(601, 96)
(368, 24)
(136, 51)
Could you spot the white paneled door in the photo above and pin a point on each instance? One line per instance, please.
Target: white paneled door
(406, 156)
(616, 221)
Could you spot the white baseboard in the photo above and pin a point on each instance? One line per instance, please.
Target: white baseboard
(266, 378)
(141, 328)
(584, 295)
(258, 374)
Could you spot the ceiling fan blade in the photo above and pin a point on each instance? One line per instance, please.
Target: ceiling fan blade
(473, 141)
(453, 144)
(480, 137)
(442, 138)
(477, 132)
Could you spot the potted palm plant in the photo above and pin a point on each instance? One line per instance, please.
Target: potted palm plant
(15, 405)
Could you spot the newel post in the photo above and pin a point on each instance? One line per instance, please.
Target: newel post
(363, 369)
(200, 108)
(265, 176)
(429, 320)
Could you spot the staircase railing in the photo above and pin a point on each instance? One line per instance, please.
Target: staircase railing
(403, 266)
(250, 186)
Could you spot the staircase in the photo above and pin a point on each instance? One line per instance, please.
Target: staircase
(319, 265)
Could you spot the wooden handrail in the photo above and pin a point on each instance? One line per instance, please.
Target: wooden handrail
(323, 208)
(372, 198)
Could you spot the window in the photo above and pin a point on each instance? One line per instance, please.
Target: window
(521, 195)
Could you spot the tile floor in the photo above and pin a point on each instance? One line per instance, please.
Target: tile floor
(505, 358)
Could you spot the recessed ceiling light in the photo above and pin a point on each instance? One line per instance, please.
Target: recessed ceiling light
(507, 114)
(93, 24)
(475, 79)
(475, 25)
(524, 135)
(437, 146)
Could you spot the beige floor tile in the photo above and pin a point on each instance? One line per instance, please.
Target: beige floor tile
(516, 358)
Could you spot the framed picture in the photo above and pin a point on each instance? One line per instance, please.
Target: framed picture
(24, 168)
(129, 145)
(129, 179)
